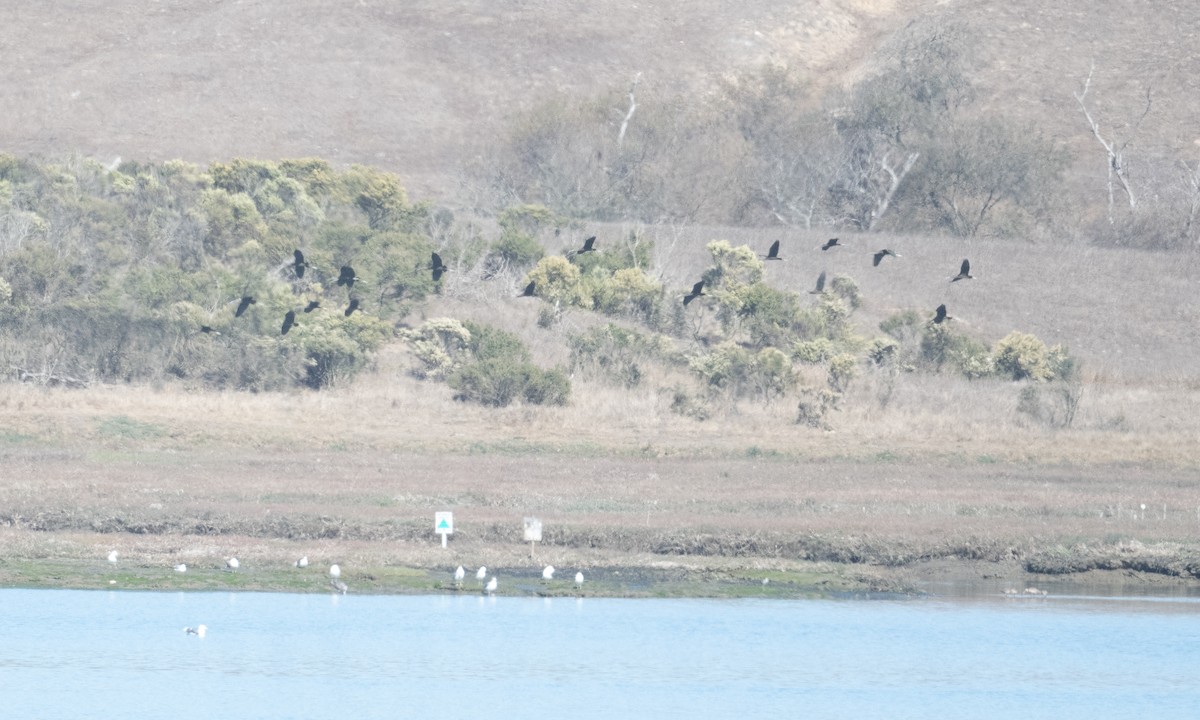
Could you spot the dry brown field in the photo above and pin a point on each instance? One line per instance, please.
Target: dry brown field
(354, 476)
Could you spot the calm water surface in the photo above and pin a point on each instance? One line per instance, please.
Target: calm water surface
(79, 654)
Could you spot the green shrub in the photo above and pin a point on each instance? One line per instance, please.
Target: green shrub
(737, 372)
(558, 281)
(1020, 356)
(518, 246)
(439, 344)
(627, 292)
(491, 343)
(496, 382)
(941, 345)
(842, 369)
(813, 352)
(815, 405)
(883, 350)
(615, 354)
(844, 287)
(499, 372)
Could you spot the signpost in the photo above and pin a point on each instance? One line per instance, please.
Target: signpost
(443, 524)
(533, 532)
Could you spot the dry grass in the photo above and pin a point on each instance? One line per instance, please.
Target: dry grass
(347, 475)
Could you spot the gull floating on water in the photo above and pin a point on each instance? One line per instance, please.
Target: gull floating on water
(491, 586)
(548, 573)
(181, 568)
(198, 631)
(112, 556)
(301, 563)
(232, 563)
(335, 571)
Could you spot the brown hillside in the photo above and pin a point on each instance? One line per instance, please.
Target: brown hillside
(414, 87)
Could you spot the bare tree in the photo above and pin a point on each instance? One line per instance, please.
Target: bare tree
(1114, 147)
(632, 108)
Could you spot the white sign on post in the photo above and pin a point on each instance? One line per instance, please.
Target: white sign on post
(533, 532)
(443, 524)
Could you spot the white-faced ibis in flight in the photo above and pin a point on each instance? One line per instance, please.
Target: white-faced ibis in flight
(244, 303)
(820, 285)
(697, 291)
(879, 256)
(288, 321)
(773, 253)
(831, 243)
(530, 289)
(351, 307)
(312, 305)
(300, 264)
(347, 277)
(964, 272)
(940, 315)
(209, 330)
(437, 266)
(588, 246)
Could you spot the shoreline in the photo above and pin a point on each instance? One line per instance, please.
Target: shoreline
(698, 578)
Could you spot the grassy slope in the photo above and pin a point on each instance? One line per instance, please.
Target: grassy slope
(415, 89)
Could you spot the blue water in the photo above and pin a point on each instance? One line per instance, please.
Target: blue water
(79, 654)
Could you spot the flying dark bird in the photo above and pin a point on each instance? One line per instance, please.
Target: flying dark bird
(697, 291)
(879, 256)
(312, 305)
(831, 242)
(820, 285)
(245, 302)
(964, 273)
(209, 330)
(940, 315)
(288, 321)
(437, 266)
(347, 276)
(351, 307)
(300, 265)
(588, 246)
(529, 290)
(773, 253)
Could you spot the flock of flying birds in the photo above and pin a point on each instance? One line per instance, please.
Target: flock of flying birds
(939, 316)
(347, 278)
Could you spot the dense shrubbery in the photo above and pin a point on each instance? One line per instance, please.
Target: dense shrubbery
(112, 275)
(499, 371)
(483, 364)
(131, 275)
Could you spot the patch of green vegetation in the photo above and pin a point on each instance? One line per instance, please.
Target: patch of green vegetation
(887, 456)
(397, 579)
(9, 437)
(121, 426)
(755, 451)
